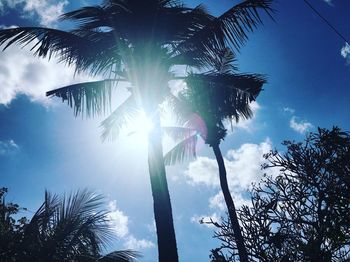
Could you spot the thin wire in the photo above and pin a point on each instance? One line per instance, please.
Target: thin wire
(327, 22)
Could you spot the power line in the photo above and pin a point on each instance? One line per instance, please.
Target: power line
(327, 22)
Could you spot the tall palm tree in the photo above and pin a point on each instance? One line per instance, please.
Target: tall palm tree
(73, 228)
(217, 96)
(139, 42)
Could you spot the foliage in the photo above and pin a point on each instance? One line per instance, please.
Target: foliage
(71, 228)
(10, 229)
(208, 102)
(133, 40)
(303, 213)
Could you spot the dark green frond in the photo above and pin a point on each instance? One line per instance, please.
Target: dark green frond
(121, 256)
(119, 118)
(90, 98)
(185, 150)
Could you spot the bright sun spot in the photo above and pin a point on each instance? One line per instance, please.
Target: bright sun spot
(140, 126)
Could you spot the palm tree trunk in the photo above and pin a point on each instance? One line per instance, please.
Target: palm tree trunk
(242, 252)
(167, 250)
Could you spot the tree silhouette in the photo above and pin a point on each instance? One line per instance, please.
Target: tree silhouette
(217, 96)
(139, 42)
(72, 228)
(301, 214)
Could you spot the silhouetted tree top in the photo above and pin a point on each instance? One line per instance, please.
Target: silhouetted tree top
(72, 228)
(303, 212)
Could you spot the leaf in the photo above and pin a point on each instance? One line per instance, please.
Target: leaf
(180, 108)
(185, 150)
(93, 51)
(222, 96)
(119, 118)
(120, 256)
(178, 133)
(90, 98)
(229, 29)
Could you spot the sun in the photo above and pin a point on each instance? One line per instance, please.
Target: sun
(141, 126)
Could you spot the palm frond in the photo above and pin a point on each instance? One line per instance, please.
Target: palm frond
(178, 133)
(119, 118)
(90, 98)
(229, 29)
(47, 41)
(66, 227)
(223, 96)
(43, 216)
(91, 51)
(241, 19)
(225, 62)
(185, 150)
(180, 108)
(80, 203)
(121, 256)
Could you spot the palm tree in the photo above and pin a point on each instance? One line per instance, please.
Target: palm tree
(216, 96)
(139, 42)
(73, 228)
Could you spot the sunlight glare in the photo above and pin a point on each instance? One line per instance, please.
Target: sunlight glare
(141, 126)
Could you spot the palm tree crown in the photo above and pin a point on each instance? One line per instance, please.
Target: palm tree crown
(71, 228)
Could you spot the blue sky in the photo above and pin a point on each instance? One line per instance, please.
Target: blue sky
(43, 146)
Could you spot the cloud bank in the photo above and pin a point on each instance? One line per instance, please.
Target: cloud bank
(22, 73)
(119, 222)
(243, 167)
(47, 11)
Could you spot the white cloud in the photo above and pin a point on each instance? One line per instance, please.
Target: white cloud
(298, 126)
(245, 124)
(330, 2)
(8, 147)
(301, 126)
(22, 73)
(205, 219)
(7, 27)
(217, 202)
(48, 11)
(119, 223)
(137, 244)
(345, 52)
(243, 166)
(289, 110)
(203, 171)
